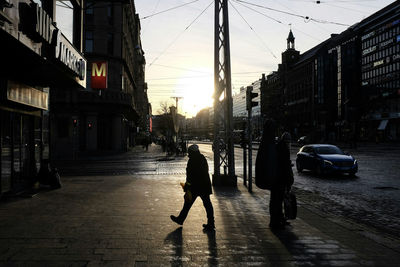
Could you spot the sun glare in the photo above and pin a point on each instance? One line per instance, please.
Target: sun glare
(197, 93)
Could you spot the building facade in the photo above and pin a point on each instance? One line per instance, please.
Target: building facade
(345, 88)
(37, 60)
(380, 74)
(112, 113)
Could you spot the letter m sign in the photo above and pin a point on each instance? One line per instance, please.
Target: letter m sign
(99, 75)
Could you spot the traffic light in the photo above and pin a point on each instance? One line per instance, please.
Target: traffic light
(90, 125)
(249, 98)
(75, 122)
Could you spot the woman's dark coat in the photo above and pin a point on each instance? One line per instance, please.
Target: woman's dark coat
(197, 175)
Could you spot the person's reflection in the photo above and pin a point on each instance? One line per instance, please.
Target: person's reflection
(212, 248)
(175, 238)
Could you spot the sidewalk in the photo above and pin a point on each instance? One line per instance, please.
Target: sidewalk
(123, 220)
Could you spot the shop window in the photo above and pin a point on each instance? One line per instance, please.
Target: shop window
(16, 143)
(6, 150)
(45, 135)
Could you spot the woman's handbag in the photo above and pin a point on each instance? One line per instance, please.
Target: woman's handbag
(290, 205)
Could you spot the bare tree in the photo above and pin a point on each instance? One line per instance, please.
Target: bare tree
(164, 108)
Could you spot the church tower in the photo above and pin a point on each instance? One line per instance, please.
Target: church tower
(291, 55)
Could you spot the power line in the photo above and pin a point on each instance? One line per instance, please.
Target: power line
(253, 30)
(351, 9)
(169, 9)
(181, 77)
(148, 22)
(179, 35)
(180, 68)
(306, 18)
(279, 21)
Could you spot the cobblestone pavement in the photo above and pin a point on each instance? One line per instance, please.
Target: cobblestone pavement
(111, 219)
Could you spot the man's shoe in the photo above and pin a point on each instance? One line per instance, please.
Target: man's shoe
(209, 227)
(175, 219)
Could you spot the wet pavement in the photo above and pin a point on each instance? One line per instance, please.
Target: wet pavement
(108, 216)
(372, 197)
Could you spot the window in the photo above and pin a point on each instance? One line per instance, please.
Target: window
(89, 7)
(89, 41)
(110, 43)
(110, 14)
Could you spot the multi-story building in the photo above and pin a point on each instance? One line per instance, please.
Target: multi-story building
(346, 87)
(37, 61)
(380, 73)
(113, 110)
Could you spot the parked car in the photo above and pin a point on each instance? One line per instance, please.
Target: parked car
(324, 158)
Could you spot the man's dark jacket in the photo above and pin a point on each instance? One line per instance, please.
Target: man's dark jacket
(197, 175)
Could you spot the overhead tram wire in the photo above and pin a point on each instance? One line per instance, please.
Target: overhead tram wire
(205, 72)
(306, 18)
(316, 24)
(280, 22)
(179, 35)
(169, 9)
(148, 22)
(269, 50)
(179, 68)
(347, 8)
(180, 78)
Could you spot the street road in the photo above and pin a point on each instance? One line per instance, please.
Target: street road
(372, 197)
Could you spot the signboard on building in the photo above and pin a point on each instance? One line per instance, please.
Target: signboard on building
(24, 94)
(99, 75)
(38, 25)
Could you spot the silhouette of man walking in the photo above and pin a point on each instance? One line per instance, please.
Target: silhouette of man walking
(199, 184)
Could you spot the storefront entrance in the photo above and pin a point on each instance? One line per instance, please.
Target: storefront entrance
(21, 146)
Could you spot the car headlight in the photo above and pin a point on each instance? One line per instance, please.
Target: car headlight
(327, 162)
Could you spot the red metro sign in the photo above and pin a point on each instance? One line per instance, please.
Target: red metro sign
(99, 75)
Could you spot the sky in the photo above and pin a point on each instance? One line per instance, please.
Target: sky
(178, 41)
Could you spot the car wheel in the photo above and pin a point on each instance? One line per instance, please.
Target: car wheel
(299, 167)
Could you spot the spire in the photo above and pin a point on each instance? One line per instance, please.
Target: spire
(290, 40)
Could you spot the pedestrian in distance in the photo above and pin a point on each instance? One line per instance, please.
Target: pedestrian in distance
(199, 184)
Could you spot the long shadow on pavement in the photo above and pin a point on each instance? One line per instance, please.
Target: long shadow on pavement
(176, 240)
(243, 228)
(212, 248)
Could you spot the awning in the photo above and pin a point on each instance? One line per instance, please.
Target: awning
(383, 124)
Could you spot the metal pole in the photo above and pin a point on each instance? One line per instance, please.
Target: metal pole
(223, 113)
(229, 100)
(216, 95)
(250, 187)
(244, 162)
